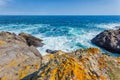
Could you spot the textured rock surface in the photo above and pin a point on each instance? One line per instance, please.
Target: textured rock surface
(109, 40)
(17, 59)
(89, 64)
(31, 40)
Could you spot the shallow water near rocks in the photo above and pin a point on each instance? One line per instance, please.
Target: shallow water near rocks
(65, 33)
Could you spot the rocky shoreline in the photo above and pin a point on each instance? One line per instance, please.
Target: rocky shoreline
(20, 60)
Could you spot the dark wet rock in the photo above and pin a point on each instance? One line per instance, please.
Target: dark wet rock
(109, 40)
(31, 40)
(51, 51)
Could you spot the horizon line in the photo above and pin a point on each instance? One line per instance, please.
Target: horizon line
(57, 15)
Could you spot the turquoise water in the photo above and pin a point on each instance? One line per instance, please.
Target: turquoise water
(65, 33)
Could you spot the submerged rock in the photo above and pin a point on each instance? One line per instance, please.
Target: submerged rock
(109, 40)
(51, 51)
(17, 59)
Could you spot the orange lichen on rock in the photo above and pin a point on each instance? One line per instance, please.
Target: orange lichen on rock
(101, 62)
(102, 77)
(94, 77)
(80, 65)
(93, 50)
(2, 42)
(83, 60)
(118, 59)
(4, 78)
(27, 70)
(13, 63)
(67, 68)
(22, 73)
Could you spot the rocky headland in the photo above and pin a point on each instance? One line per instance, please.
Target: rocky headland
(20, 60)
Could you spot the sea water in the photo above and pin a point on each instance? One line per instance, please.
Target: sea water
(66, 33)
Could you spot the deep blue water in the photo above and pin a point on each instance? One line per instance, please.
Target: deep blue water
(65, 33)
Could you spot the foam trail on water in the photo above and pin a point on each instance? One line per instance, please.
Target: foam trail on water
(108, 26)
(78, 39)
(64, 38)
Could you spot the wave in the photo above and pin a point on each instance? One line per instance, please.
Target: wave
(108, 26)
(66, 38)
(78, 38)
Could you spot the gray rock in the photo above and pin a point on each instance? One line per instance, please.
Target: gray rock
(17, 59)
(31, 40)
(109, 40)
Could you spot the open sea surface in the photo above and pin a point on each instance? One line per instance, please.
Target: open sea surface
(66, 33)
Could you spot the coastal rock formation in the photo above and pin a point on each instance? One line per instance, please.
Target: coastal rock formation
(109, 40)
(21, 61)
(18, 60)
(31, 40)
(89, 64)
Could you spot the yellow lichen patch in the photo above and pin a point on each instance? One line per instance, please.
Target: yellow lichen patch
(48, 57)
(94, 77)
(101, 62)
(51, 56)
(2, 42)
(4, 78)
(28, 69)
(102, 77)
(76, 66)
(37, 66)
(11, 64)
(67, 68)
(83, 60)
(93, 50)
(22, 73)
(54, 71)
(118, 59)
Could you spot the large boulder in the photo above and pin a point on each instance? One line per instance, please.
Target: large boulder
(31, 40)
(18, 60)
(109, 40)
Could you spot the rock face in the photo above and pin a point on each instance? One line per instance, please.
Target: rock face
(89, 64)
(17, 59)
(31, 40)
(109, 40)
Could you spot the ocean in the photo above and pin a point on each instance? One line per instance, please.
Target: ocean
(67, 33)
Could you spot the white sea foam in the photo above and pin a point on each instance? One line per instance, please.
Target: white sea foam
(67, 43)
(76, 38)
(108, 26)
